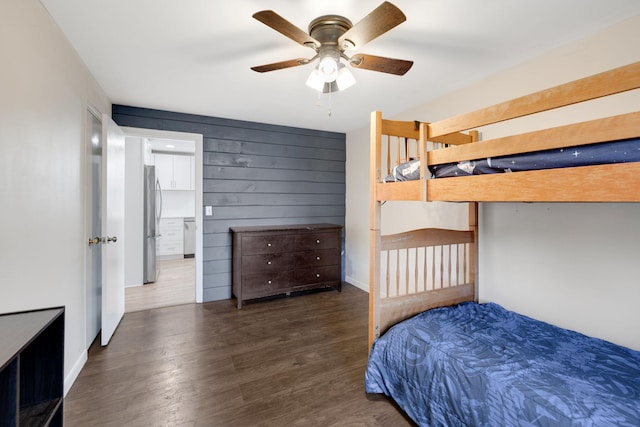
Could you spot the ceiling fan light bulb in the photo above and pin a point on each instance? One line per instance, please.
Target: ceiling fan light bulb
(328, 69)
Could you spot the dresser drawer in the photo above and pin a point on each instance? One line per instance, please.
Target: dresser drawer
(264, 283)
(252, 264)
(317, 240)
(267, 244)
(317, 258)
(305, 276)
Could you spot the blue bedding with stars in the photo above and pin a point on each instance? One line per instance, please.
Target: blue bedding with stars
(481, 365)
(627, 150)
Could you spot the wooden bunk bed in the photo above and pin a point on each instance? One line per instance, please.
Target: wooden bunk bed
(418, 270)
(598, 183)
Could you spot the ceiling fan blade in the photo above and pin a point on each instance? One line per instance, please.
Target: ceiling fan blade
(379, 21)
(280, 65)
(379, 63)
(278, 23)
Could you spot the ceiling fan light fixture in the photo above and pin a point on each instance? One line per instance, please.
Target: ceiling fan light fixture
(345, 78)
(315, 80)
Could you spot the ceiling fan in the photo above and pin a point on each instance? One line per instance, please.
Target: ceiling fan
(330, 36)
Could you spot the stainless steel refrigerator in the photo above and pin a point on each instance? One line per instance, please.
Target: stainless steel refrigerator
(152, 214)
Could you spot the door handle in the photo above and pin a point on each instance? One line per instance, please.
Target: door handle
(96, 240)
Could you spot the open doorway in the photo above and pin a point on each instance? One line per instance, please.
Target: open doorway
(163, 240)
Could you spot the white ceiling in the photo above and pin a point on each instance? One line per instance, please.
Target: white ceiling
(194, 56)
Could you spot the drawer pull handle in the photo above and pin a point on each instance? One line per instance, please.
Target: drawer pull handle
(269, 244)
(318, 241)
(268, 262)
(318, 275)
(317, 258)
(269, 281)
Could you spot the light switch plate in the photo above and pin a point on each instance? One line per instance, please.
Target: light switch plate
(208, 210)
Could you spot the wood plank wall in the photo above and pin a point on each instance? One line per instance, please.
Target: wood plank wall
(254, 174)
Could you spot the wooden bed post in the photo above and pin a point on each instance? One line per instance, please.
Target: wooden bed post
(473, 250)
(374, 226)
(473, 226)
(422, 147)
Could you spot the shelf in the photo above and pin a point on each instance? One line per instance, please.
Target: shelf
(8, 391)
(40, 414)
(32, 368)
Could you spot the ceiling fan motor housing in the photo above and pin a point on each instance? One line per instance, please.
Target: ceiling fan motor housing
(327, 30)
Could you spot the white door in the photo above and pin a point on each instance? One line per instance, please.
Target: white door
(113, 157)
(94, 225)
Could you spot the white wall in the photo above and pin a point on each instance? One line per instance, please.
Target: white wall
(178, 203)
(568, 264)
(44, 91)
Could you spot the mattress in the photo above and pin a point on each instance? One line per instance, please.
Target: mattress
(627, 150)
(481, 365)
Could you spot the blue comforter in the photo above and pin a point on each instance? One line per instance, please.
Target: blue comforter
(481, 365)
(622, 151)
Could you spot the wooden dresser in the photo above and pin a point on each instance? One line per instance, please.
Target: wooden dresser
(274, 260)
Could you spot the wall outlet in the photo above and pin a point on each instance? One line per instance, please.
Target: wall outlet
(208, 210)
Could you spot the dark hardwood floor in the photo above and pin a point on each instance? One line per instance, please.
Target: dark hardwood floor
(282, 362)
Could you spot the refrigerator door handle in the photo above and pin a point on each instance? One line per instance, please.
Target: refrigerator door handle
(159, 211)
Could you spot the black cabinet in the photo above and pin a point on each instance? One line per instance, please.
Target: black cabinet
(32, 368)
(274, 260)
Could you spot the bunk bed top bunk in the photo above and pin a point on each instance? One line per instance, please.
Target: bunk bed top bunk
(616, 182)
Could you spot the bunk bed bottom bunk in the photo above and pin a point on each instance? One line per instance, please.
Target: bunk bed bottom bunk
(479, 364)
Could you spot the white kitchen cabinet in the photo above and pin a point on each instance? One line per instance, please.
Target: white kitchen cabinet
(182, 173)
(164, 169)
(175, 171)
(170, 244)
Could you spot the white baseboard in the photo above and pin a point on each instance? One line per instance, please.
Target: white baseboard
(357, 284)
(75, 371)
